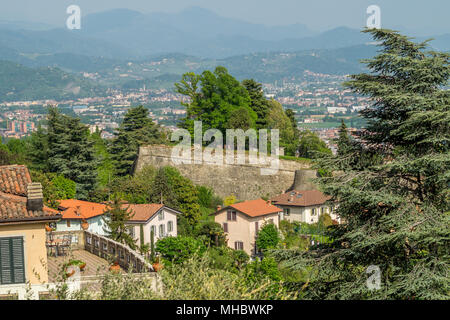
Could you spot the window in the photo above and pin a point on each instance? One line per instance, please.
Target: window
(239, 245)
(313, 211)
(286, 211)
(225, 227)
(161, 215)
(12, 266)
(322, 210)
(68, 223)
(170, 226)
(256, 226)
(271, 221)
(131, 231)
(231, 215)
(161, 230)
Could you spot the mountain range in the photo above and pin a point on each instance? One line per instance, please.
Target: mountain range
(128, 34)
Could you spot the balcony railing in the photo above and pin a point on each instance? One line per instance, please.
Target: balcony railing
(109, 249)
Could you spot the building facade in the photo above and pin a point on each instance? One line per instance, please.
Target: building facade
(157, 217)
(23, 216)
(75, 212)
(242, 221)
(304, 206)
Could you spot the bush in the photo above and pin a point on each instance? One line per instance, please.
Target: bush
(212, 232)
(268, 237)
(178, 249)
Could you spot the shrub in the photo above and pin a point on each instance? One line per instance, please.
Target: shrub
(178, 249)
(268, 237)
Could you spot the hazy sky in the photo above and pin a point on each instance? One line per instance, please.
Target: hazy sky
(424, 16)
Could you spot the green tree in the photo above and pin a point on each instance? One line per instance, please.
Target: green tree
(179, 249)
(136, 129)
(38, 151)
(311, 146)
(396, 205)
(268, 237)
(115, 221)
(258, 102)
(212, 232)
(343, 141)
(70, 152)
(214, 98)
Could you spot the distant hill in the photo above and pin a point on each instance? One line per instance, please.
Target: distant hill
(18, 82)
(128, 34)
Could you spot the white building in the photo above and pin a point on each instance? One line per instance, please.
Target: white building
(304, 206)
(75, 212)
(157, 217)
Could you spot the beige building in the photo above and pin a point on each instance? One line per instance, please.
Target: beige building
(242, 221)
(304, 206)
(23, 254)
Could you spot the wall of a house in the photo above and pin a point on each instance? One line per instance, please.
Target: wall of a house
(96, 225)
(244, 228)
(35, 252)
(155, 221)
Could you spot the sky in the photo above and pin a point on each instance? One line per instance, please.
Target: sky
(420, 16)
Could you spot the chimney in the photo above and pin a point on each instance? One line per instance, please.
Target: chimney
(219, 207)
(35, 199)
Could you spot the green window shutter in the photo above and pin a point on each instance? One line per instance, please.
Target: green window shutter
(18, 261)
(5, 261)
(12, 266)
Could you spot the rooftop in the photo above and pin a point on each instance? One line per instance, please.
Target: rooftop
(301, 198)
(14, 206)
(78, 209)
(143, 212)
(255, 208)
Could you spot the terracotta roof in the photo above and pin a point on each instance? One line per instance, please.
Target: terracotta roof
(78, 209)
(254, 208)
(14, 209)
(143, 212)
(301, 198)
(14, 179)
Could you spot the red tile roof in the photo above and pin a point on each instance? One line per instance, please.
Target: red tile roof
(301, 198)
(143, 212)
(78, 209)
(254, 208)
(14, 209)
(14, 179)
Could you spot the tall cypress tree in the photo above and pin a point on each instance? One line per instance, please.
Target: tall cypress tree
(343, 141)
(395, 208)
(115, 220)
(137, 129)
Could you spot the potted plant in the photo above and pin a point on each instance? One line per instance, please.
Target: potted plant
(157, 266)
(84, 224)
(115, 267)
(79, 263)
(70, 273)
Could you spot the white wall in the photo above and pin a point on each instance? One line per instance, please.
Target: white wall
(96, 225)
(305, 214)
(169, 215)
